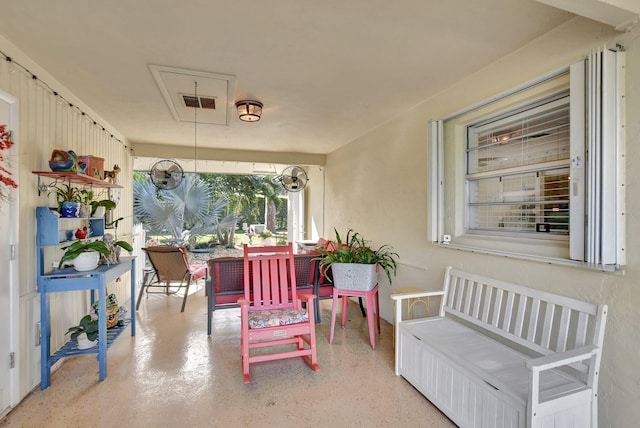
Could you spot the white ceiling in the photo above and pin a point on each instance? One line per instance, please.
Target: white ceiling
(327, 71)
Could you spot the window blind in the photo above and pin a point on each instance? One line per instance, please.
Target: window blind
(518, 170)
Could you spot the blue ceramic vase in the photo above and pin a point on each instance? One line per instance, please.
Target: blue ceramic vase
(69, 209)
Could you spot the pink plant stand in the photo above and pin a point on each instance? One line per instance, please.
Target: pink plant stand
(369, 296)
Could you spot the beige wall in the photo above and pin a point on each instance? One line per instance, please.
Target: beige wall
(47, 122)
(377, 185)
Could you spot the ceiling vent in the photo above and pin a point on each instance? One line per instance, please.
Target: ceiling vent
(177, 88)
(206, 102)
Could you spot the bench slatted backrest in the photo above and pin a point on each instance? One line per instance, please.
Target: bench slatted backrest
(542, 322)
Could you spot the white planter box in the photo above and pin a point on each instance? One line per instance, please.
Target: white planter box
(354, 276)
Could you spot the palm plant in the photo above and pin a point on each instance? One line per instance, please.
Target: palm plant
(184, 211)
(271, 190)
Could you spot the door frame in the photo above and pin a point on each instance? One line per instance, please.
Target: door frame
(12, 214)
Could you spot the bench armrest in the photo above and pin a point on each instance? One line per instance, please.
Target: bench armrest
(243, 302)
(402, 296)
(562, 358)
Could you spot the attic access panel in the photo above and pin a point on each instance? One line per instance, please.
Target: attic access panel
(214, 92)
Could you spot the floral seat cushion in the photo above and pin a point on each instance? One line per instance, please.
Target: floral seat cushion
(276, 317)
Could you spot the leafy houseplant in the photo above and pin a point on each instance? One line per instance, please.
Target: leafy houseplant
(265, 234)
(82, 246)
(108, 205)
(88, 325)
(66, 192)
(355, 250)
(267, 238)
(68, 198)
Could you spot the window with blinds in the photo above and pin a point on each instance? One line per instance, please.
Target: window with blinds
(517, 170)
(537, 172)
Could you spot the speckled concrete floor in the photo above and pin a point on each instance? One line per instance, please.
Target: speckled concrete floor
(172, 375)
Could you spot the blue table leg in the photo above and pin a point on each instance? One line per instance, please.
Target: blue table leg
(133, 297)
(45, 342)
(102, 330)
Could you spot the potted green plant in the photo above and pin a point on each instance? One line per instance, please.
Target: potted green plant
(267, 237)
(86, 333)
(354, 264)
(86, 254)
(101, 207)
(68, 198)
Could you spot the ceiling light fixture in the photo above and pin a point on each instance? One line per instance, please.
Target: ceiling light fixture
(249, 111)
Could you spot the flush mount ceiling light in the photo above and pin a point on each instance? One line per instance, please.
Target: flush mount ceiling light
(249, 111)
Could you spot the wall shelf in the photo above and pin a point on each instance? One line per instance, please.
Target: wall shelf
(75, 178)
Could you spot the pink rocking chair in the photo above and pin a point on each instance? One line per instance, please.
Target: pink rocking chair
(271, 310)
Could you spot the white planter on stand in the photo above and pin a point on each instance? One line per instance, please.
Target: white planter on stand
(354, 276)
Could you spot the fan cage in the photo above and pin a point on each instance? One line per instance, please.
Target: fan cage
(166, 174)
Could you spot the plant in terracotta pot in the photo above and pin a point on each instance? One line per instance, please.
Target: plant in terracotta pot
(86, 332)
(354, 264)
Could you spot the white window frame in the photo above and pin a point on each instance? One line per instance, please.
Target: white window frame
(597, 229)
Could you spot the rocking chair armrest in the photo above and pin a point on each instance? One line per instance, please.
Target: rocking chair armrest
(305, 297)
(243, 302)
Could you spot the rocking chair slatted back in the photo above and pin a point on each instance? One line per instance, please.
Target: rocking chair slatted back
(268, 273)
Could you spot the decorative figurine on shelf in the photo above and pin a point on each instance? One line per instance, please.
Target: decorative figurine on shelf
(65, 161)
(114, 256)
(81, 233)
(114, 246)
(112, 176)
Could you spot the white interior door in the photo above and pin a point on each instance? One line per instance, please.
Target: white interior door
(8, 263)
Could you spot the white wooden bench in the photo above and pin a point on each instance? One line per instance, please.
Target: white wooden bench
(503, 355)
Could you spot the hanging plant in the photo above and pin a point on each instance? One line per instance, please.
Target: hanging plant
(5, 174)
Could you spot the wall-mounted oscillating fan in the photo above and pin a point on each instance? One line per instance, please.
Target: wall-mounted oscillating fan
(293, 178)
(166, 174)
